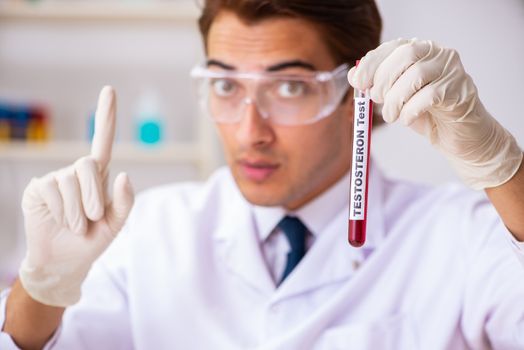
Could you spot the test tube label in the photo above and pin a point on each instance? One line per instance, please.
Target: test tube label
(361, 125)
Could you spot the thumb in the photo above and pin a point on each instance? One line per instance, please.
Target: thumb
(350, 75)
(123, 198)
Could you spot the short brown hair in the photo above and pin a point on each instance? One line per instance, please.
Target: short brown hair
(350, 28)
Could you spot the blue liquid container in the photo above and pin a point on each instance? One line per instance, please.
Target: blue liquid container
(149, 122)
(150, 131)
(91, 127)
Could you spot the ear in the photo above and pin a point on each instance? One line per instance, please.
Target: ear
(347, 105)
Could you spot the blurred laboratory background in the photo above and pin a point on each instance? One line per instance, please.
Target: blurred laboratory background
(55, 55)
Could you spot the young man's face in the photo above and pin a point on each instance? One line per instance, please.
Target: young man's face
(277, 165)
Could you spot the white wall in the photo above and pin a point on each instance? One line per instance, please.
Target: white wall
(489, 35)
(65, 63)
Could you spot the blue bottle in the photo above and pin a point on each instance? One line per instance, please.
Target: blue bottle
(149, 122)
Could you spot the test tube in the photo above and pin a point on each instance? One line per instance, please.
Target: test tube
(358, 198)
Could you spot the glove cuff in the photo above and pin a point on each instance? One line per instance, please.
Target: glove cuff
(497, 170)
(53, 289)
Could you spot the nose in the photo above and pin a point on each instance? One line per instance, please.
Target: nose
(253, 129)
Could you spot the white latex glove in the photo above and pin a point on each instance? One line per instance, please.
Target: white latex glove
(425, 86)
(69, 219)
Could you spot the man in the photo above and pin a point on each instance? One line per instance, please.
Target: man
(223, 265)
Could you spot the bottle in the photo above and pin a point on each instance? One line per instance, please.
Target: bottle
(149, 121)
(91, 126)
(38, 127)
(20, 116)
(5, 125)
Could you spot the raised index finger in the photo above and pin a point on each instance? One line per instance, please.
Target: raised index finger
(105, 121)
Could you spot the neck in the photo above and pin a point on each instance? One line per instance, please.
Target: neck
(294, 205)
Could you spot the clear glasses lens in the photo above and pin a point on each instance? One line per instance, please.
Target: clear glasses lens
(224, 98)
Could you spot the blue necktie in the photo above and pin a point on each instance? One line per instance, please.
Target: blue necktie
(295, 232)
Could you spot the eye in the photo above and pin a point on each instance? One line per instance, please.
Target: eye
(223, 87)
(291, 89)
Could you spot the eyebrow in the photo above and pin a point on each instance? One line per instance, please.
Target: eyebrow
(213, 62)
(274, 68)
(291, 64)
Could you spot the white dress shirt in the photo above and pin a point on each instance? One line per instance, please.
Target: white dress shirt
(315, 215)
(188, 272)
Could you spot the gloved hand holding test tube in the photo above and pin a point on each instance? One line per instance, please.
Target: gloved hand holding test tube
(362, 124)
(425, 87)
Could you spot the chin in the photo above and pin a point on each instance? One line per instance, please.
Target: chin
(258, 194)
(264, 202)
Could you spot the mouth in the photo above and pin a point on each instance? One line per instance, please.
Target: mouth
(257, 171)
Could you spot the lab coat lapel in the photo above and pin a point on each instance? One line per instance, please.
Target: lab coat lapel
(331, 259)
(238, 245)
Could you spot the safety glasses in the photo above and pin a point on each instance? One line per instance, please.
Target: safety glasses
(286, 99)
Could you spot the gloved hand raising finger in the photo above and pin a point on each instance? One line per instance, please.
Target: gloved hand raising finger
(69, 218)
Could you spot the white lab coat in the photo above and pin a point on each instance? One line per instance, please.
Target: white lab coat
(437, 272)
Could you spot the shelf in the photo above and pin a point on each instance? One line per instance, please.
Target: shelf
(138, 10)
(68, 151)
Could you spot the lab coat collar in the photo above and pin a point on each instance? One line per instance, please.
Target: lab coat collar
(330, 260)
(237, 241)
(315, 215)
